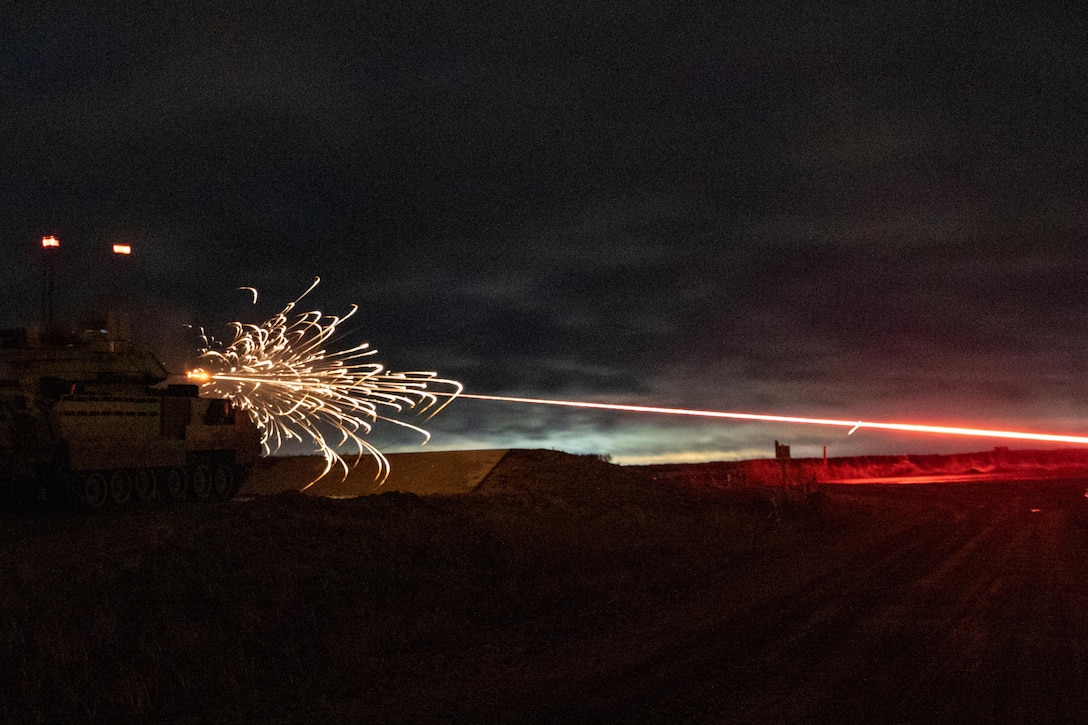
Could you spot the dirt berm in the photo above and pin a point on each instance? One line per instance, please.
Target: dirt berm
(439, 472)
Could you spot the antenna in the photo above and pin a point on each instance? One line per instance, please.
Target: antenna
(49, 246)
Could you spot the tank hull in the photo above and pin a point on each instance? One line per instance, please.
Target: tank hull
(91, 421)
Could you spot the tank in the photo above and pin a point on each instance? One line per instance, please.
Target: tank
(86, 416)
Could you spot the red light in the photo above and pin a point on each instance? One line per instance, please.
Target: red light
(122, 249)
(50, 241)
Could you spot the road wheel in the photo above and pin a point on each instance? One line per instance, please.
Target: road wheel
(177, 484)
(201, 483)
(120, 488)
(144, 486)
(93, 491)
(223, 483)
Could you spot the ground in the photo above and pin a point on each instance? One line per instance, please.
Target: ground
(562, 589)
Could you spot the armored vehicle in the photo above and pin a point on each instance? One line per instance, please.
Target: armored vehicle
(86, 416)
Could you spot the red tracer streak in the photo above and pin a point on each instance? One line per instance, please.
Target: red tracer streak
(853, 425)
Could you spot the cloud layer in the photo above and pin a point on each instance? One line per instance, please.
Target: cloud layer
(815, 211)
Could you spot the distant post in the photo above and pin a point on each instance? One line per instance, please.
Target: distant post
(50, 245)
(121, 269)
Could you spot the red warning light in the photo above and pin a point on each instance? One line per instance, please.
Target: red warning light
(50, 241)
(122, 249)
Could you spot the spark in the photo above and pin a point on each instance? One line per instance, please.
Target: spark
(853, 425)
(294, 387)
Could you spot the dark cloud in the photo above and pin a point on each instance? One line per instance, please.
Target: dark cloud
(857, 211)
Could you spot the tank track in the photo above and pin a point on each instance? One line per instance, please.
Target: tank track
(118, 488)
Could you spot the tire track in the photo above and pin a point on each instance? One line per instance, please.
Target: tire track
(975, 605)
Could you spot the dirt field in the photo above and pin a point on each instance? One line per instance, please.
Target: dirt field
(563, 589)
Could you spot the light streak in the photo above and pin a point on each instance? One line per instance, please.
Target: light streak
(122, 249)
(283, 375)
(853, 425)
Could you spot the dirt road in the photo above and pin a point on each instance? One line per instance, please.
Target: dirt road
(959, 602)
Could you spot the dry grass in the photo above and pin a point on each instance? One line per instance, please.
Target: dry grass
(805, 474)
(999, 461)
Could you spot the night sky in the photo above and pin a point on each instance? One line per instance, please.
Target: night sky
(766, 207)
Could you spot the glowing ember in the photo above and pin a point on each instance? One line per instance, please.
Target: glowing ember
(122, 249)
(294, 388)
(50, 241)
